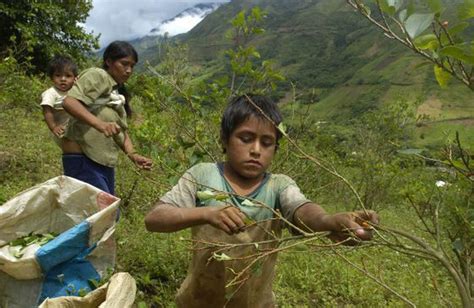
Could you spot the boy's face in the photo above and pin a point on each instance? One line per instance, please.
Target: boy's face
(251, 147)
(64, 80)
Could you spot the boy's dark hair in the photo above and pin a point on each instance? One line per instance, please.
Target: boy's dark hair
(240, 109)
(61, 63)
(115, 51)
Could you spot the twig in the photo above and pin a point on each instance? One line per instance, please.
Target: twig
(378, 281)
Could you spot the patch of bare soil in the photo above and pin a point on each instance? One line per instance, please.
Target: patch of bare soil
(372, 51)
(468, 121)
(431, 107)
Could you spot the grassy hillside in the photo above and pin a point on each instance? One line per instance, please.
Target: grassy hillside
(306, 276)
(343, 71)
(312, 274)
(323, 47)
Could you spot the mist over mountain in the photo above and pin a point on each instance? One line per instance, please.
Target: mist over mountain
(186, 20)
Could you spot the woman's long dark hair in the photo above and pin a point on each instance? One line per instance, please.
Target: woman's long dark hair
(115, 51)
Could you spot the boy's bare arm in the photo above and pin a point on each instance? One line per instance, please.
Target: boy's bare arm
(313, 216)
(80, 112)
(168, 218)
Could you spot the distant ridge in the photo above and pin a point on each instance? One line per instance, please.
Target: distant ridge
(185, 20)
(341, 65)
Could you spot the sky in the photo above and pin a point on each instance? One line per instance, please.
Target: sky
(129, 19)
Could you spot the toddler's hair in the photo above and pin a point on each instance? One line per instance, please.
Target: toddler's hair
(240, 110)
(60, 64)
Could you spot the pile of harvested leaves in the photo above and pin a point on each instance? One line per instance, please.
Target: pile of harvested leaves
(18, 246)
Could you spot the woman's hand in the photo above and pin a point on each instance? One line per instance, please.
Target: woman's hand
(228, 219)
(108, 128)
(142, 162)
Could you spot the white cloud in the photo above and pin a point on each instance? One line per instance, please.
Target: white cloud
(181, 25)
(129, 19)
(185, 21)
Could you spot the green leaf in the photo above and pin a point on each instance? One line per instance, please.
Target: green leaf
(221, 257)
(93, 283)
(17, 242)
(257, 13)
(458, 28)
(142, 305)
(82, 292)
(205, 195)
(247, 202)
(239, 19)
(442, 76)
(428, 41)
(248, 221)
(466, 10)
(221, 197)
(435, 6)
(390, 6)
(402, 16)
(282, 128)
(457, 53)
(386, 8)
(395, 3)
(417, 23)
(258, 30)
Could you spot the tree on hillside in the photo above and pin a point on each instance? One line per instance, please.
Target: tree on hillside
(445, 213)
(425, 30)
(33, 31)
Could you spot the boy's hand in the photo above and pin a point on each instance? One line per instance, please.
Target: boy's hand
(58, 130)
(229, 219)
(353, 224)
(141, 161)
(108, 128)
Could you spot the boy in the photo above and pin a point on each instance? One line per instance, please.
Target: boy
(63, 72)
(249, 140)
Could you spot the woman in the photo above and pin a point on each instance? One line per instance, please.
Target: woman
(99, 106)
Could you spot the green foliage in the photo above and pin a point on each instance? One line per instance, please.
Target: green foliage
(417, 23)
(17, 88)
(33, 31)
(249, 73)
(447, 46)
(177, 124)
(308, 279)
(466, 10)
(442, 76)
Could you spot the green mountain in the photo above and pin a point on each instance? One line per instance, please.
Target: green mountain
(341, 63)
